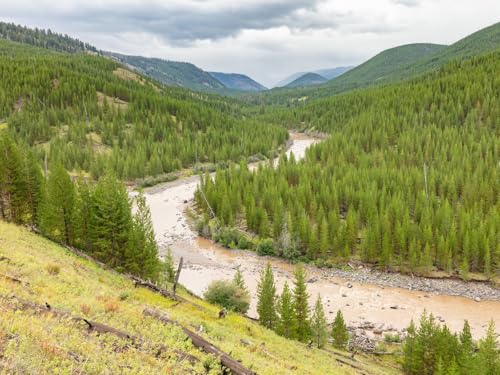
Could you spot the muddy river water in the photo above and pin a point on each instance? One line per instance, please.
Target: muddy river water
(360, 302)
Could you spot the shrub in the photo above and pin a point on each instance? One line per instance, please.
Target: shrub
(123, 296)
(53, 269)
(265, 247)
(389, 337)
(228, 295)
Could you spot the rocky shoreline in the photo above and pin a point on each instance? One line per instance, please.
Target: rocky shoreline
(475, 290)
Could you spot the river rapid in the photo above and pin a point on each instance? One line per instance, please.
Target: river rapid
(383, 306)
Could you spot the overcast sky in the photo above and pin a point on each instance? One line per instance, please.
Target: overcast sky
(266, 39)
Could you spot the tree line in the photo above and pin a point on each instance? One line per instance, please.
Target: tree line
(408, 178)
(95, 217)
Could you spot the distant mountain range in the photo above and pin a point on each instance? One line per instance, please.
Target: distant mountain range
(239, 82)
(188, 75)
(328, 74)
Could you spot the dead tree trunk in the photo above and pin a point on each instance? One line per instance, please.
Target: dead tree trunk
(177, 275)
(236, 367)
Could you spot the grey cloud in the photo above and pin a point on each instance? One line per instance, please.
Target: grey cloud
(180, 23)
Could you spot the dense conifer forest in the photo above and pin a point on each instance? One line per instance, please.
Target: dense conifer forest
(408, 178)
(89, 113)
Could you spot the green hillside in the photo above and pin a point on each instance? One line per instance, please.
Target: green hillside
(308, 79)
(383, 67)
(92, 113)
(43, 38)
(392, 65)
(238, 82)
(171, 73)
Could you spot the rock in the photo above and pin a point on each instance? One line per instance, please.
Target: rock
(344, 295)
(477, 299)
(361, 304)
(185, 201)
(313, 280)
(377, 331)
(394, 307)
(349, 285)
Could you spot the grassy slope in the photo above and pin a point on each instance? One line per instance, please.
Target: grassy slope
(43, 344)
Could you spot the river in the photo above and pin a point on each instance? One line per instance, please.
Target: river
(386, 307)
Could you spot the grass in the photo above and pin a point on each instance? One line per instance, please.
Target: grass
(42, 343)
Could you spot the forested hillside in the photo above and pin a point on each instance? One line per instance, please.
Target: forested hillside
(43, 38)
(172, 73)
(90, 113)
(408, 178)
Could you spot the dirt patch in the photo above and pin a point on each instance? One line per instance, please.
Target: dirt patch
(112, 102)
(128, 75)
(97, 145)
(55, 83)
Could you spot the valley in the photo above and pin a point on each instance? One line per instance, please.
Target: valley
(385, 300)
(345, 223)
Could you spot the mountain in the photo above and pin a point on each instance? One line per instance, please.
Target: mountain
(308, 79)
(238, 82)
(385, 65)
(289, 79)
(171, 73)
(334, 72)
(326, 73)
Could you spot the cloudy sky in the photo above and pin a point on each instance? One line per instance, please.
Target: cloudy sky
(266, 39)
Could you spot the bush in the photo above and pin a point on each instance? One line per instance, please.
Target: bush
(53, 269)
(265, 247)
(232, 238)
(389, 337)
(228, 295)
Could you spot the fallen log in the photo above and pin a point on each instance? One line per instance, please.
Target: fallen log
(155, 288)
(10, 278)
(236, 367)
(96, 327)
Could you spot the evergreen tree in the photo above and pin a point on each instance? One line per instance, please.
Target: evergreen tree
(111, 221)
(57, 218)
(489, 356)
(141, 256)
(340, 334)
(239, 280)
(168, 266)
(286, 315)
(266, 294)
(300, 304)
(318, 324)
